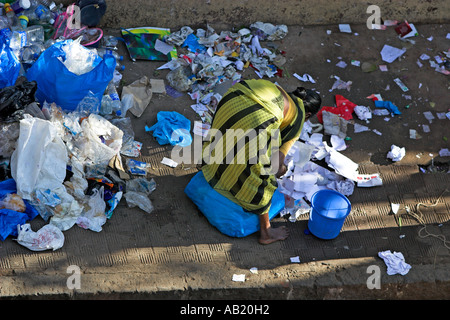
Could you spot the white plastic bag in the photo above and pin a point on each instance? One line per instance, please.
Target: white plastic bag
(40, 159)
(95, 217)
(100, 140)
(46, 238)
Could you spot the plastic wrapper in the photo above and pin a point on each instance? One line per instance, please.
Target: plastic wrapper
(13, 202)
(141, 185)
(140, 200)
(137, 167)
(179, 79)
(177, 38)
(48, 237)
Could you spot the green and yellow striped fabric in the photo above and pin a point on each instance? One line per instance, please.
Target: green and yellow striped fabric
(245, 132)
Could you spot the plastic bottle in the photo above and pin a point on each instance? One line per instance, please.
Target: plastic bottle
(106, 106)
(20, 6)
(43, 13)
(49, 4)
(35, 34)
(115, 100)
(127, 103)
(119, 66)
(23, 21)
(13, 21)
(3, 22)
(102, 51)
(31, 53)
(17, 42)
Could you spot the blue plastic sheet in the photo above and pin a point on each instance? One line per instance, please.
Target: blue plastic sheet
(57, 84)
(171, 128)
(9, 63)
(9, 219)
(228, 217)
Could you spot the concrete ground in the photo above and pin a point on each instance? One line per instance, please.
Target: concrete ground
(174, 253)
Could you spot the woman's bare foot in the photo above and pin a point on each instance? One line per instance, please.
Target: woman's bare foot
(272, 235)
(267, 233)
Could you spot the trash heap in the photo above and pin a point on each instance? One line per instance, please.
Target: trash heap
(64, 130)
(213, 61)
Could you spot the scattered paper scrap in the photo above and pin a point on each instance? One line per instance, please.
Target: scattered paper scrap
(345, 28)
(169, 162)
(444, 152)
(395, 207)
(254, 270)
(239, 277)
(295, 259)
(163, 47)
(201, 128)
(369, 180)
(401, 84)
(341, 64)
(390, 53)
(305, 78)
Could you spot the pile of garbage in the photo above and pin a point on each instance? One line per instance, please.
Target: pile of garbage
(213, 61)
(67, 145)
(64, 130)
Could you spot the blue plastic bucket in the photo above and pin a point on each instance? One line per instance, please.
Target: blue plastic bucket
(329, 209)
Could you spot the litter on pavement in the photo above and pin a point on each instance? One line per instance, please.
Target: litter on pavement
(68, 151)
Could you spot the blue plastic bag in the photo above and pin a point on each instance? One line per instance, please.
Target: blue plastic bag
(387, 105)
(171, 128)
(228, 217)
(57, 84)
(192, 43)
(9, 63)
(9, 219)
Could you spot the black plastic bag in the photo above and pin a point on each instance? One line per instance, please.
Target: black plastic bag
(14, 99)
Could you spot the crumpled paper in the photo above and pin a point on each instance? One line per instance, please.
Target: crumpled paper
(395, 262)
(396, 153)
(363, 112)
